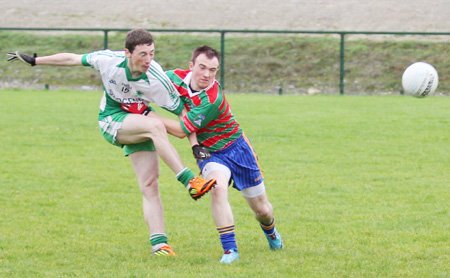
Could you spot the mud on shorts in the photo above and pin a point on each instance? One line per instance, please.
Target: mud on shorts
(110, 125)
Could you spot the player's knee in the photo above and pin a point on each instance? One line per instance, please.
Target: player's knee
(149, 185)
(155, 126)
(264, 211)
(219, 192)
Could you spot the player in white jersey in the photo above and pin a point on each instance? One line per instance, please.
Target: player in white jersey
(131, 80)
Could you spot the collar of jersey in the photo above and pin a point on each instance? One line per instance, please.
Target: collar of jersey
(187, 81)
(124, 65)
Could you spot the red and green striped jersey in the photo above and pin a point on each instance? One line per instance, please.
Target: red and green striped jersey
(209, 114)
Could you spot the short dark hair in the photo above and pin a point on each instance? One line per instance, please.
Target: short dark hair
(137, 37)
(207, 50)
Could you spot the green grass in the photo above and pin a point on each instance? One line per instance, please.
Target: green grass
(360, 187)
(253, 63)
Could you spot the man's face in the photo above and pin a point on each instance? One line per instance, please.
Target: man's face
(203, 71)
(139, 61)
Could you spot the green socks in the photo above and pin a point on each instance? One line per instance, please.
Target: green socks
(158, 240)
(185, 176)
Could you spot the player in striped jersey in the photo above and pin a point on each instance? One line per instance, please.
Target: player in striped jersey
(131, 80)
(232, 156)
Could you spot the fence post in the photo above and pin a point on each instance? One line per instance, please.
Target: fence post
(342, 60)
(105, 39)
(222, 59)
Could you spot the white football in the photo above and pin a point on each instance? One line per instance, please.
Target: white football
(420, 79)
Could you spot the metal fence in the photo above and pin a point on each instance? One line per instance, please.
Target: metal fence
(348, 60)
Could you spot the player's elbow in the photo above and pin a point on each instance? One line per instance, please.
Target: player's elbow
(181, 135)
(177, 133)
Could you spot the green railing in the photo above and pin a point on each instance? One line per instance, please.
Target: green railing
(342, 34)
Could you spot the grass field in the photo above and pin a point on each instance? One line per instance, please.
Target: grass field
(360, 187)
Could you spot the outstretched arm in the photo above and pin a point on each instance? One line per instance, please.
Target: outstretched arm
(173, 127)
(60, 59)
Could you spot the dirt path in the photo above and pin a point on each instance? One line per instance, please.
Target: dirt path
(342, 15)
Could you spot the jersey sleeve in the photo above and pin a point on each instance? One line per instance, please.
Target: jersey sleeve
(84, 60)
(100, 58)
(199, 117)
(169, 100)
(179, 107)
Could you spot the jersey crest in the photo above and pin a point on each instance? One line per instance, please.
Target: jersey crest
(199, 119)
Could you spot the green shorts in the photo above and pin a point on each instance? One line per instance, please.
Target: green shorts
(109, 126)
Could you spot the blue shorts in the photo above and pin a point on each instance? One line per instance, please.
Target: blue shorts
(241, 160)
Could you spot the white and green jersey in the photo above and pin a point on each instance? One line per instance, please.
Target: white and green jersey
(120, 88)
